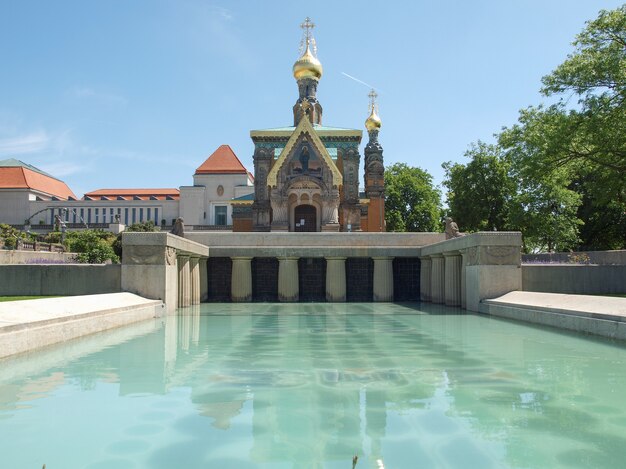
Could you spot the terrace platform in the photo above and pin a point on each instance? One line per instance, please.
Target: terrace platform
(30, 324)
(598, 315)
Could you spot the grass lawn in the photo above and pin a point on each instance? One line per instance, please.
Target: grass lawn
(18, 298)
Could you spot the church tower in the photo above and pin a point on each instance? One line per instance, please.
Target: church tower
(307, 71)
(374, 170)
(306, 176)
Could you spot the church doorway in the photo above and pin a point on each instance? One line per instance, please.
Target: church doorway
(305, 218)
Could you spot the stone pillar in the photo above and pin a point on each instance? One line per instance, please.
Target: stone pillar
(288, 280)
(452, 278)
(183, 281)
(241, 279)
(194, 281)
(437, 279)
(383, 278)
(204, 280)
(335, 279)
(425, 268)
(463, 278)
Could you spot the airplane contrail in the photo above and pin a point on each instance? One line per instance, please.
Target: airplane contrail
(357, 80)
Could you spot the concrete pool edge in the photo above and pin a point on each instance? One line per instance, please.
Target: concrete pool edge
(32, 324)
(596, 315)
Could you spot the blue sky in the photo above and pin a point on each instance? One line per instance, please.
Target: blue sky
(118, 93)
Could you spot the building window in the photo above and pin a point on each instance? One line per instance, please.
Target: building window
(126, 216)
(111, 215)
(134, 215)
(52, 220)
(148, 213)
(220, 215)
(156, 215)
(82, 215)
(88, 216)
(97, 215)
(141, 214)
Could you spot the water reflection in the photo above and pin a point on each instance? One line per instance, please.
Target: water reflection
(250, 385)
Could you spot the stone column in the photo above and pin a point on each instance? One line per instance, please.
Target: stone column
(194, 280)
(184, 290)
(335, 279)
(463, 277)
(204, 280)
(383, 278)
(452, 279)
(241, 279)
(437, 279)
(425, 268)
(288, 280)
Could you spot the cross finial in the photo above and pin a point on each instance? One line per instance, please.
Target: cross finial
(373, 95)
(308, 25)
(307, 36)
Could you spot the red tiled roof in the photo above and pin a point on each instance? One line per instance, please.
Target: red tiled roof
(19, 177)
(222, 161)
(142, 194)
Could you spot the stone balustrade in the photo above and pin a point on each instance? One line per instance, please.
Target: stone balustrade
(164, 267)
(466, 270)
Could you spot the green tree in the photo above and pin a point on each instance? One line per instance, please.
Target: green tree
(412, 203)
(591, 141)
(480, 192)
(92, 246)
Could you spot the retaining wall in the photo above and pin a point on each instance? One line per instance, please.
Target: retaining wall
(14, 256)
(61, 280)
(595, 257)
(574, 278)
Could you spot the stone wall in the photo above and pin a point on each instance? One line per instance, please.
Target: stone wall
(574, 278)
(59, 280)
(14, 256)
(595, 257)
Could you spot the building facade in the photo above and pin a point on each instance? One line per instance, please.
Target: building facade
(307, 175)
(32, 199)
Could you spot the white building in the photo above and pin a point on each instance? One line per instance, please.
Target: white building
(29, 196)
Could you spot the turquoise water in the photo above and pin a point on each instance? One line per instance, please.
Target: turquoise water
(310, 386)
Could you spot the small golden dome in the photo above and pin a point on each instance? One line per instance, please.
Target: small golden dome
(307, 66)
(373, 122)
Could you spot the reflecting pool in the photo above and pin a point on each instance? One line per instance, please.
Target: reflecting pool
(312, 385)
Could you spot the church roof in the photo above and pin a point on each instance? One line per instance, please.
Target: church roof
(15, 174)
(321, 130)
(134, 194)
(222, 161)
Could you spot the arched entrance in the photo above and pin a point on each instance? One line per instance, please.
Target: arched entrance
(305, 218)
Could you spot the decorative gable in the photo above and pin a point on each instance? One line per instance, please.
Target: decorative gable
(306, 144)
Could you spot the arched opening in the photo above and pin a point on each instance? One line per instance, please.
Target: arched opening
(305, 217)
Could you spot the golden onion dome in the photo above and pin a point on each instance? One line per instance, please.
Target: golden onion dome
(373, 122)
(307, 66)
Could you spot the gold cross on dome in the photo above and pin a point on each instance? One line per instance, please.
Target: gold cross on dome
(308, 25)
(372, 95)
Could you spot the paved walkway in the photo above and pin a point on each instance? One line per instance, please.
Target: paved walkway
(607, 307)
(599, 315)
(29, 324)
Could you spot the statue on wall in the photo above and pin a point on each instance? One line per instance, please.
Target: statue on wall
(452, 229)
(179, 228)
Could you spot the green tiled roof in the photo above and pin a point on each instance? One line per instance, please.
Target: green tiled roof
(13, 163)
(245, 197)
(291, 128)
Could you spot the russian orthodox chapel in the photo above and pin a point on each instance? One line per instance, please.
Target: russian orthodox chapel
(306, 176)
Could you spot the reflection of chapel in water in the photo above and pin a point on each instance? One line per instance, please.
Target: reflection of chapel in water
(307, 175)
